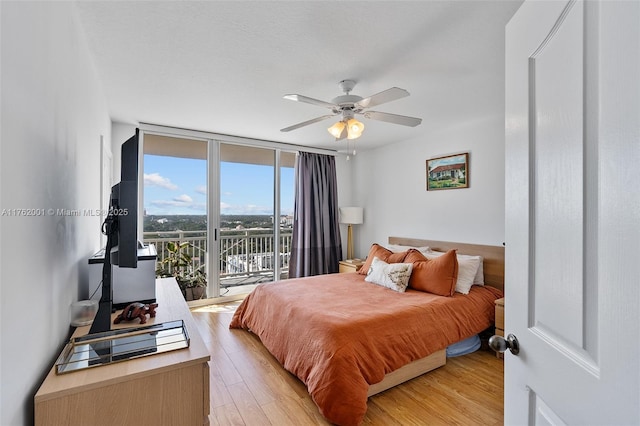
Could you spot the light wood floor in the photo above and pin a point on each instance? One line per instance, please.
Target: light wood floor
(249, 387)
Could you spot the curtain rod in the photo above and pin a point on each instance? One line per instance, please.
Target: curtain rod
(202, 135)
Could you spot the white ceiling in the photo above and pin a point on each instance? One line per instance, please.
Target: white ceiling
(223, 66)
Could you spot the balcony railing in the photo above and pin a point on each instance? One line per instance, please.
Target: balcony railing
(246, 257)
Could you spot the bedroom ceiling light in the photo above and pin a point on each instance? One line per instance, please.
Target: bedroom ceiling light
(337, 129)
(353, 127)
(348, 105)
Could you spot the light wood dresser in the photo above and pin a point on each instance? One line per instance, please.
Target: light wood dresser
(164, 389)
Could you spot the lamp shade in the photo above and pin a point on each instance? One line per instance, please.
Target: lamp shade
(351, 215)
(354, 129)
(337, 129)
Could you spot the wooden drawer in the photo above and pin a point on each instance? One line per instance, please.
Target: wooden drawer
(500, 322)
(500, 315)
(346, 266)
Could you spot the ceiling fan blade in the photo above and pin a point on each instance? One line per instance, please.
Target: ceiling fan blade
(382, 97)
(306, 123)
(393, 118)
(308, 100)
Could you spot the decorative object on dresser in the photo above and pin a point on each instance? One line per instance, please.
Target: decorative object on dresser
(120, 345)
(83, 312)
(136, 310)
(351, 216)
(450, 172)
(351, 265)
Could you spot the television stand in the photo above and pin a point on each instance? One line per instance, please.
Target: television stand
(167, 388)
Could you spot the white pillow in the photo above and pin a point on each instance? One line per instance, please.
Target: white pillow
(479, 278)
(391, 275)
(399, 249)
(468, 268)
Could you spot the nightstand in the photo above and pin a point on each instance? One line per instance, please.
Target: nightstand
(500, 321)
(350, 265)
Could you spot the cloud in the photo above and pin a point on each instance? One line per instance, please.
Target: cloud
(226, 208)
(184, 198)
(202, 189)
(167, 203)
(154, 179)
(180, 201)
(177, 203)
(198, 206)
(184, 204)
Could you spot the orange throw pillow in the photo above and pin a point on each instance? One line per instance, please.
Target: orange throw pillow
(437, 276)
(382, 254)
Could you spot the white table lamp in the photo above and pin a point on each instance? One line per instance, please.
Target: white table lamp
(351, 216)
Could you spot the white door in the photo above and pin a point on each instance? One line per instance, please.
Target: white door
(573, 213)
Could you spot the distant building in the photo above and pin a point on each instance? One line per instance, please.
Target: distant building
(286, 220)
(162, 221)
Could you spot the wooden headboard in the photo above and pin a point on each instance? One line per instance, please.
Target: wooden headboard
(493, 256)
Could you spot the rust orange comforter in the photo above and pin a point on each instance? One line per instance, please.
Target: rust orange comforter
(339, 334)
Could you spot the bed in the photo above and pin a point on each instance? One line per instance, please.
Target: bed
(348, 339)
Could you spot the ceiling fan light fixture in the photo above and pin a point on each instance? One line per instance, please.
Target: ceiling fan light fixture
(347, 105)
(337, 129)
(354, 129)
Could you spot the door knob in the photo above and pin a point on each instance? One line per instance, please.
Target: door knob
(500, 344)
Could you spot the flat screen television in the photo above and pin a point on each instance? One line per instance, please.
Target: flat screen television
(121, 229)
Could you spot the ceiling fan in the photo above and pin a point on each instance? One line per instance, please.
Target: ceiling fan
(347, 106)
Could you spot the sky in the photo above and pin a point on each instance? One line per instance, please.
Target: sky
(178, 186)
(454, 159)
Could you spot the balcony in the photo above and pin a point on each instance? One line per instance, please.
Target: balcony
(246, 257)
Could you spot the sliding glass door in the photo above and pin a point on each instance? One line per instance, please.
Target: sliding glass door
(286, 167)
(175, 209)
(254, 224)
(220, 214)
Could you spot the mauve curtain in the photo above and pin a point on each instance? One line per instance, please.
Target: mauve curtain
(316, 245)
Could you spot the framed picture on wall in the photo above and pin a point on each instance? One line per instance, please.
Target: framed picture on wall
(450, 172)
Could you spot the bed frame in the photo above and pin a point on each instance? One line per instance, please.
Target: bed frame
(493, 256)
(493, 265)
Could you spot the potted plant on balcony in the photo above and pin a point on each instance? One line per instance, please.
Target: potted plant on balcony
(179, 264)
(195, 285)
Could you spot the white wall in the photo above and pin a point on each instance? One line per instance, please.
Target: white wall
(390, 182)
(344, 173)
(53, 115)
